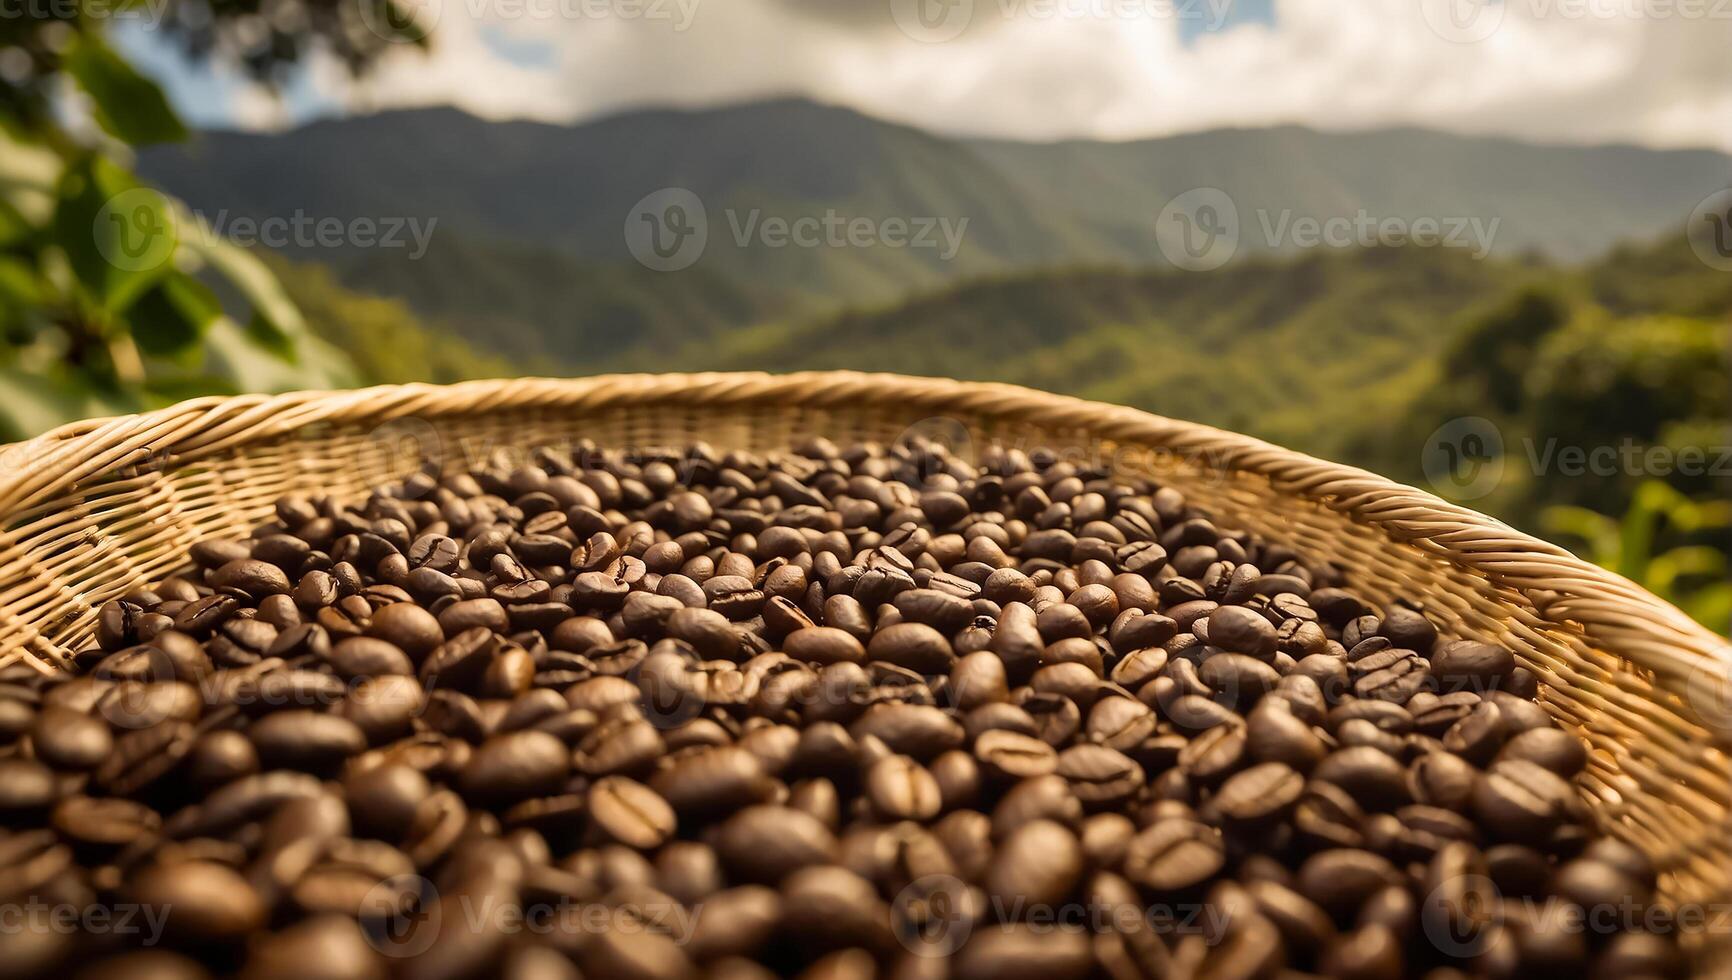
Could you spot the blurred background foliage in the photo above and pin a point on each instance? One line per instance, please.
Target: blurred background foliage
(115, 296)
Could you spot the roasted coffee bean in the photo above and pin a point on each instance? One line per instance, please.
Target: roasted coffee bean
(515, 766)
(385, 799)
(310, 741)
(360, 657)
(1553, 748)
(1441, 779)
(1273, 733)
(408, 627)
(1174, 855)
(1013, 756)
(915, 646)
(68, 739)
(202, 901)
(1341, 880)
(142, 757)
(900, 788)
(631, 813)
(1471, 665)
(1056, 717)
(1371, 776)
(383, 707)
(250, 577)
(713, 782)
(1520, 801)
(1038, 866)
(1241, 630)
(1001, 952)
(765, 844)
(824, 645)
(921, 731)
(1214, 754)
(1477, 737)
(103, 824)
(25, 785)
(220, 757)
(1237, 679)
(1259, 795)
(1100, 776)
(855, 704)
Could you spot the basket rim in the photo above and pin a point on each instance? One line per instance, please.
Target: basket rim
(1614, 612)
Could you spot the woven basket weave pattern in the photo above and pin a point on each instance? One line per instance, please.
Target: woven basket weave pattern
(101, 507)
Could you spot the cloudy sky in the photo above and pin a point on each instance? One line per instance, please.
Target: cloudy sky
(1646, 71)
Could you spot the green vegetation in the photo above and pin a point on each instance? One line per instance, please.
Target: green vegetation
(1300, 352)
(381, 337)
(529, 243)
(555, 314)
(1673, 546)
(115, 296)
(109, 290)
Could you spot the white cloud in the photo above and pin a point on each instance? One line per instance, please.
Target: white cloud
(1568, 70)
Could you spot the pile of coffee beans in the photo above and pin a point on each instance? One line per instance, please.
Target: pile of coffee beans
(841, 712)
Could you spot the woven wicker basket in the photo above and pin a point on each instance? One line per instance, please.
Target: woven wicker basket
(99, 507)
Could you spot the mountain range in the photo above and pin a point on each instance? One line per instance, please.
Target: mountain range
(531, 252)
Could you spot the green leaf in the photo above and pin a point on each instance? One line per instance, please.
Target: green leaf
(171, 319)
(276, 323)
(13, 227)
(165, 391)
(119, 236)
(128, 105)
(34, 403)
(19, 286)
(29, 174)
(236, 355)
